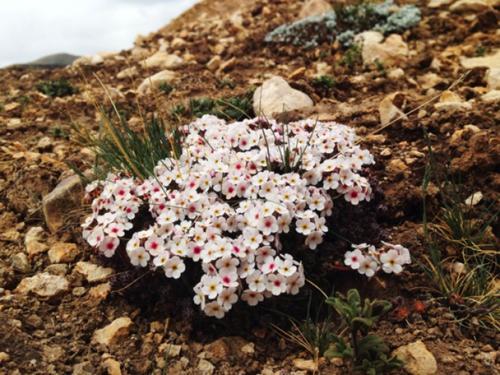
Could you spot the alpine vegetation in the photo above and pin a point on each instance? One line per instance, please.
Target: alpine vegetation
(229, 203)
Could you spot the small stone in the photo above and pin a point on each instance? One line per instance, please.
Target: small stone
(84, 368)
(79, 291)
(488, 359)
(20, 263)
(489, 61)
(56, 205)
(462, 6)
(44, 143)
(52, 353)
(11, 106)
(163, 60)
(388, 111)
(493, 78)
(314, 8)
(130, 72)
(417, 359)
(93, 272)
(386, 152)
(474, 199)
(492, 96)
(100, 292)
(4, 357)
(214, 63)
(154, 81)
(375, 138)
(170, 350)
(57, 269)
(248, 348)
(227, 65)
(178, 42)
(112, 366)
(429, 80)
(439, 3)
(305, 364)
(219, 349)
(118, 329)
(276, 96)
(297, 73)
(32, 241)
(392, 51)
(205, 367)
(451, 101)
(63, 252)
(396, 73)
(397, 166)
(43, 284)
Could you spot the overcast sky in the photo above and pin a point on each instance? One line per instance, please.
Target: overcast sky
(30, 29)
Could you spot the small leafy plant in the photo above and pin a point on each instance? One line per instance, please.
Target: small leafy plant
(232, 108)
(366, 352)
(324, 84)
(352, 56)
(56, 88)
(166, 88)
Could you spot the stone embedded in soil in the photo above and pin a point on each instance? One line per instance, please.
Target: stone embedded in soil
(205, 367)
(63, 252)
(154, 81)
(417, 359)
(461, 135)
(214, 63)
(100, 292)
(4, 357)
(439, 3)
(490, 61)
(449, 101)
(129, 72)
(163, 60)
(112, 366)
(20, 263)
(225, 347)
(52, 353)
(84, 368)
(314, 8)
(493, 78)
(93, 272)
(59, 203)
(388, 111)
(471, 5)
(392, 51)
(474, 198)
(276, 96)
(492, 96)
(117, 329)
(33, 241)
(305, 364)
(43, 285)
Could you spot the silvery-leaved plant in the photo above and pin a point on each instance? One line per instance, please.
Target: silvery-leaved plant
(228, 202)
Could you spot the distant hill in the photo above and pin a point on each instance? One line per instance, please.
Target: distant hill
(56, 60)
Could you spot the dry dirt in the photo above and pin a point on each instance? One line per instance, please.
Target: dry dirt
(54, 336)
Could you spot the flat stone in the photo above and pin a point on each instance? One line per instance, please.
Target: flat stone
(205, 367)
(63, 252)
(388, 111)
(489, 61)
(276, 96)
(451, 101)
(43, 284)
(493, 78)
(59, 203)
(112, 366)
(392, 51)
(314, 8)
(305, 364)
(130, 72)
(154, 81)
(492, 96)
(93, 272)
(417, 359)
(462, 6)
(20, 263)
(214, 63)
(163, 60)
(117, 329)
(33, 241)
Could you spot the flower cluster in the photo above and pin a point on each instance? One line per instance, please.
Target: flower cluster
(228, 201)
(367, 260)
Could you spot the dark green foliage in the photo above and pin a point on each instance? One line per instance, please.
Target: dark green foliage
(222, 83)
(118, 148)
(56, 88)
(480, 51)
(58, 132)
(352, 56)
(323, 84)
(366, 352)
(233, 108)
(166, 88)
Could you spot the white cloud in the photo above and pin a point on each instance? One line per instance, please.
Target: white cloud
(33, 28)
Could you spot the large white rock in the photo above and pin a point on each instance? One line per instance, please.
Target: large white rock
(314, 8)
(164, 60)
(43, 284)
(392, 51)
(276, 96)
(165, 76)
(417, 359)
(490, 61)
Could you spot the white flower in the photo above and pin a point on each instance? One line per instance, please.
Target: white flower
(392, 262)
(304, 226)
(276, 284)
(214, 309)
(353, 259)
(174, 267)
(314, 239)
(227, 298)
(109, 245)
(368, 267)
(256, 281)
(252, 238)
(251, 297)
(161, 258)
(211, 286)
(139, 257)
(268, 225)
(286, 266)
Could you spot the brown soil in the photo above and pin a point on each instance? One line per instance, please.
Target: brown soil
(53, 336)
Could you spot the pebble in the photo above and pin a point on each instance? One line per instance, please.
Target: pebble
(418, 360)
(20, 263)
(117, 329)
(205, 367)
(93, 272)
(4, 357)
(112, 366)
(43, 284)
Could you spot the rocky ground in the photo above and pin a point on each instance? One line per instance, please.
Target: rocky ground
(63, 310)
